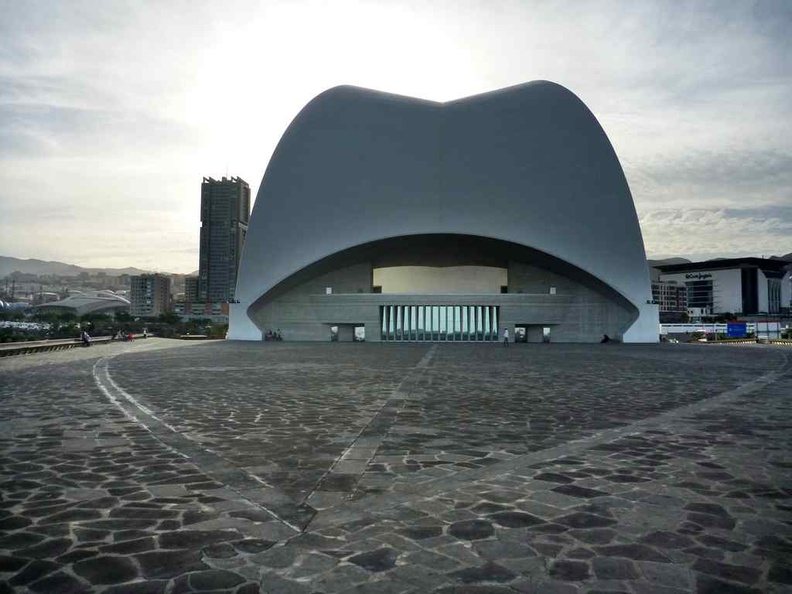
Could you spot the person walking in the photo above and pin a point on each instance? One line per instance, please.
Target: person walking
(506, 337)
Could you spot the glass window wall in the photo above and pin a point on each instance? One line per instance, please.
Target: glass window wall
(432, 323)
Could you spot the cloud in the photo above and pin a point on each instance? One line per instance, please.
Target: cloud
(117, 109)
(701, 233)
(41, 131)
(156, 242)
(713, 179)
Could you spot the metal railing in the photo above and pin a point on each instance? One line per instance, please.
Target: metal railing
(8, 349)
(738, 341)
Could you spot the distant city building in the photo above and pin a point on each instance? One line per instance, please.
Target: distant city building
(671, 298)
(215, 312)
(225, 213)
(744, 286)
(191, 289)
(151, 295)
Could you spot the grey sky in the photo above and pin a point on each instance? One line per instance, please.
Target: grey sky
(111, 112)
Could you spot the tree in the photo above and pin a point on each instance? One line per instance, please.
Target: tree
(13, 314)
(169, 318)
(217, 331)
(95, 318)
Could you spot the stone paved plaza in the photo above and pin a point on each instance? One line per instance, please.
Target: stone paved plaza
(163, 466)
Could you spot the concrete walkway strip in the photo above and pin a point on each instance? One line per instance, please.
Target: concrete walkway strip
(358, 508)
(355, 459)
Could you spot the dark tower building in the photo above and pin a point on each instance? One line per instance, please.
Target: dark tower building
(225, 212)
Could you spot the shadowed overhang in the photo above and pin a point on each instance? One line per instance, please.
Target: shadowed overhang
(443, 250)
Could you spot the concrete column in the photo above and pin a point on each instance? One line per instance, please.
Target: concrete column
(373, 332)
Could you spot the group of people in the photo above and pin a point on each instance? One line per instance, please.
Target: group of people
(270, 335)
(124, 336)
(85, 338)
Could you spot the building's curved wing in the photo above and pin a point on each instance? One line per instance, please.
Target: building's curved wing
(528, 164)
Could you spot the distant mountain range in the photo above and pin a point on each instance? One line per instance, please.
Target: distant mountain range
(32, 266)
(9, 265)
(666, 261)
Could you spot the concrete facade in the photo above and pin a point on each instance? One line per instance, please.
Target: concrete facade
(307, 312)
(574, 312)
(523, 178)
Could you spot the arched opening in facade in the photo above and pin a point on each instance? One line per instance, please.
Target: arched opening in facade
(480, 286)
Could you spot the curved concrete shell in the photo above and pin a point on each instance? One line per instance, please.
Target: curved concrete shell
(101, 302)
(524, 176)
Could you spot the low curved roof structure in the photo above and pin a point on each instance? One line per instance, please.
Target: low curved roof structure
(103, 302)
(524, 169)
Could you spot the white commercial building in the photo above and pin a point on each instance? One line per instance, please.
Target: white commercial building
(744, 286)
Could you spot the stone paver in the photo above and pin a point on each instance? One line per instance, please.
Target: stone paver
(227, 467)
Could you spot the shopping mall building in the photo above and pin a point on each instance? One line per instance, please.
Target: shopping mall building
(743, 286)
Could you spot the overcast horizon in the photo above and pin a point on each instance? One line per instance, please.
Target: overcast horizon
(112, 112)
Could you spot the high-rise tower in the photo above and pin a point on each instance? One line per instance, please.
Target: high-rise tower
(225, 212)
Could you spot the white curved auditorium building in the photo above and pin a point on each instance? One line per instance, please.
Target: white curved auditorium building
(508, 210)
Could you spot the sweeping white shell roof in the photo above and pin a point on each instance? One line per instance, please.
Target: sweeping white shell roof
(528, 164)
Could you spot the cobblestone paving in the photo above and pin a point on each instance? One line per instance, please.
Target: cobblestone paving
(285, 413)
(396, 468)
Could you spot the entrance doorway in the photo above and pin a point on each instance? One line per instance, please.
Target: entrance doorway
(532, 333)
(347, 333)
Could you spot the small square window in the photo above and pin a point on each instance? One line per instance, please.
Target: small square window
(552, 290)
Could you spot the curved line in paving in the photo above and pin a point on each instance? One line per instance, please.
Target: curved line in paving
(268, 498)
(296, 515)
(356, 509)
